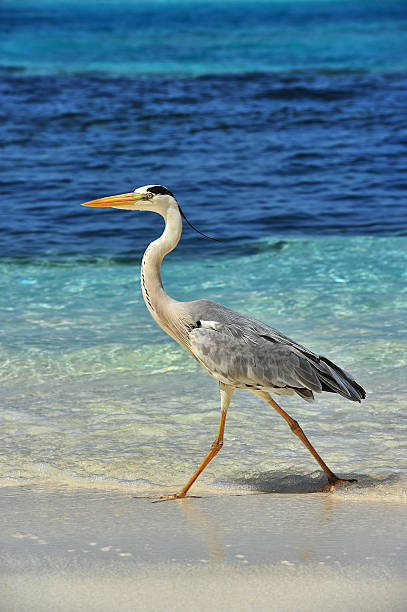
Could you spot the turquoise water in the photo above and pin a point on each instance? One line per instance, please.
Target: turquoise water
(180, 37)
(95, 392)
(281, 128)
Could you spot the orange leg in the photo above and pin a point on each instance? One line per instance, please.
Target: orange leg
(226, 392)
(295, 428)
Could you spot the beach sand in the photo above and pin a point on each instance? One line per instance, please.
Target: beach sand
(87, 548)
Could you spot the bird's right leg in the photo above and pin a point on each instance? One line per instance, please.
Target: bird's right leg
(226, 392)
(333, 480)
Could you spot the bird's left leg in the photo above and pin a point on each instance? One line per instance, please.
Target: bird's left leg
(333, 480)
(226, 392)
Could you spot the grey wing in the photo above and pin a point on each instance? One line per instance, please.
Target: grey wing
(244, 352)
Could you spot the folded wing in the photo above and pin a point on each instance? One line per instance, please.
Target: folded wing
(244, 352)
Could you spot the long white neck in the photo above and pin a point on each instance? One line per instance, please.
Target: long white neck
(161, 306)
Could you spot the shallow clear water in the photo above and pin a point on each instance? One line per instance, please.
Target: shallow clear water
(280, 127)
(95, 391)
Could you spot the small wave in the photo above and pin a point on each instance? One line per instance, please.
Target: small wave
(391, 488)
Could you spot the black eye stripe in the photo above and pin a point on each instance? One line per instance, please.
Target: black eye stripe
(160, 190)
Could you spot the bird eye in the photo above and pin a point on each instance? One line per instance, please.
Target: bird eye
(148, 196)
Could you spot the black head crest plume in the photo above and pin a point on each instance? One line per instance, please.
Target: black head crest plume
(161, 190)
(194, 228)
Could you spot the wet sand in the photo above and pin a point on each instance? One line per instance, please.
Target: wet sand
(97, 549)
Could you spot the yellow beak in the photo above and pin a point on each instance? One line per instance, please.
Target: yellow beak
(122, 200)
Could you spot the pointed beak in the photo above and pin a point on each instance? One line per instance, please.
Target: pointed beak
(123, 200)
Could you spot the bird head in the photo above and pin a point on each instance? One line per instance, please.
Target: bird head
(154, 198)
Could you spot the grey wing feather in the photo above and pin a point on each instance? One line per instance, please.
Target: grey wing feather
(244, 352)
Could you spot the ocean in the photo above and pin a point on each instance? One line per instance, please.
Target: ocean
(280, 126)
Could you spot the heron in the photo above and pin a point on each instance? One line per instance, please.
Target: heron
(237, 350)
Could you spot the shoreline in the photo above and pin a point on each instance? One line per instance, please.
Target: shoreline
(69, 548)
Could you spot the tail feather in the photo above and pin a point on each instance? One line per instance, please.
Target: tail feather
(336, 380)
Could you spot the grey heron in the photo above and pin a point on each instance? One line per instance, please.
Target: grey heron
(237, 350)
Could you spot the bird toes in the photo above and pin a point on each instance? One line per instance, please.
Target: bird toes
(337, 482)
(168, 497)
(174, 496)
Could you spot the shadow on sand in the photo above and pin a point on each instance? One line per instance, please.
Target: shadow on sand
(314, 482)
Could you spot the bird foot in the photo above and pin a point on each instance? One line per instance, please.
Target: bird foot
(174, 496)
(168, 497)
(335, 482)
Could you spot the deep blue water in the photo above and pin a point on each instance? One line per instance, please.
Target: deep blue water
(264, 118)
